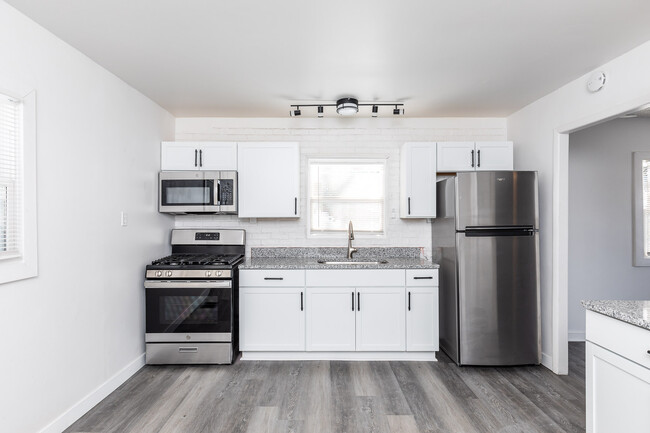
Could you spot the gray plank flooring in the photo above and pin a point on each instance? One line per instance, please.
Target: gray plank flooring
(345, 397)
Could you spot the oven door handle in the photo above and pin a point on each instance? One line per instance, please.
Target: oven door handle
(226, 284)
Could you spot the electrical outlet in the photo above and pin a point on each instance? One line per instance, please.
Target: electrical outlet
(124, 219)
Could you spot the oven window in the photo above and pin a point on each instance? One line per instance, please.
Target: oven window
(187, 192)
(189, 310)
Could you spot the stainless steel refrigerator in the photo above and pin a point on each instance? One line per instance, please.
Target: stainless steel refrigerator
(489, 271)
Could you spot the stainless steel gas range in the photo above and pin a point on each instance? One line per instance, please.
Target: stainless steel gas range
(192, 299)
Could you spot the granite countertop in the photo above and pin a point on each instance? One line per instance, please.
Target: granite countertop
(632, 312)
(307, 258)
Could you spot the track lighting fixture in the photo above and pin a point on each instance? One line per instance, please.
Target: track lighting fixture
(348, 107)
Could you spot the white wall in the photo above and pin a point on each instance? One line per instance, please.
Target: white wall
(533, 129)
(79, 323)
(327, 137)
(600, 216)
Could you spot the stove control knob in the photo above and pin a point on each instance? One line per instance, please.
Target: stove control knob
(219, 273)
(208, 273)
(159, 273)
(169, 273)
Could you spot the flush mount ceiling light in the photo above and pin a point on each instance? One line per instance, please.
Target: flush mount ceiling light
(348, 107)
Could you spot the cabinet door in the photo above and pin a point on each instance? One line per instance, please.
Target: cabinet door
(494, 155)
(418, 180)
(269, 180)
(454, 156)
(380, 319)
(271, 319)
(218, 156)
(618, 393)
(421, 319)
(179, 156)
(330, 318)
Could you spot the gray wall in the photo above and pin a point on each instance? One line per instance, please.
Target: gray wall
(600, 216)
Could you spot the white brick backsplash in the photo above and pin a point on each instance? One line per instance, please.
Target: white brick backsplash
(332, 142)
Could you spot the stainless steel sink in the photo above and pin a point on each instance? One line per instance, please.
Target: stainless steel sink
(353, 262)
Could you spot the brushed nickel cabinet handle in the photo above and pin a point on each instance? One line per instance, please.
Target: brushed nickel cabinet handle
(196, 154)
(188, 349)
(472, 158)
(274, 278)
(423, 278)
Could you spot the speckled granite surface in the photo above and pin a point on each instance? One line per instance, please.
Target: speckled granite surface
(336, 252)
(633, 312)
(306, 258)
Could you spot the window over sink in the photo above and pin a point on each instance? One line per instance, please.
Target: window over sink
(343, 190)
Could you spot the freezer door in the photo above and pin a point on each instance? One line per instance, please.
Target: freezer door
(499, 307)
(496, 198)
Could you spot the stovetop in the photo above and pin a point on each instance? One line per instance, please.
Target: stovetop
(197, 260)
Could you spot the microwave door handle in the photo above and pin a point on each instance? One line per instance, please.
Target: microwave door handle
(218, 192)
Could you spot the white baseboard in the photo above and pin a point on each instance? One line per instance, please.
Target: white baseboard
(576, 336)
(338, 356)
(77, 410)
(547, 361)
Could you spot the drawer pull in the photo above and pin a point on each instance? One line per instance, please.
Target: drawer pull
(274, 278)
(423, 278)
(188, 349)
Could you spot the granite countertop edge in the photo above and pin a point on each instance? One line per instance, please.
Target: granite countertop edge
(633, 312)
(271, 263)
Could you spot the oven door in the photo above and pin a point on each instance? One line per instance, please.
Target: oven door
(189, 310)
(188, 192)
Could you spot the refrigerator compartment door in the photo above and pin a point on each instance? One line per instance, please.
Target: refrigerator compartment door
(498, 294)
(496, 198)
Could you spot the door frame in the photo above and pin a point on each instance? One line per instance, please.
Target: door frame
(560, 282)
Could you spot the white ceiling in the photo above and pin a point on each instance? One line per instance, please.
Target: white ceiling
(253, 58)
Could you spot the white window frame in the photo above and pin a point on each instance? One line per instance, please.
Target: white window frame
(640, 235)
(26, 264)
(335, 234)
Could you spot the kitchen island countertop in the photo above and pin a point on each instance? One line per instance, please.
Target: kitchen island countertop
(632, 312)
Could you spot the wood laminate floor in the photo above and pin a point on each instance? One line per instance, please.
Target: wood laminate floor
(341, 396)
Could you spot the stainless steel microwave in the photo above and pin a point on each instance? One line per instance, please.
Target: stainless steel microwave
(183, 192)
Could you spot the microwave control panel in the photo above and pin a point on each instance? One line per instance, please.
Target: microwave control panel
(227, 193)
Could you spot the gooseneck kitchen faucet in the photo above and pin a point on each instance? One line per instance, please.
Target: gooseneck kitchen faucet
(351, 250)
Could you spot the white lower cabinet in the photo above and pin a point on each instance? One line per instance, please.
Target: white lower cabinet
(340, 312)
(380, 319)
(271, 318)
(331, 319)
(617, 376)
(422, 319)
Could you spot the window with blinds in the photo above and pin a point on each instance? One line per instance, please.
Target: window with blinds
(11, 191)
(347, 190)
(645, 168)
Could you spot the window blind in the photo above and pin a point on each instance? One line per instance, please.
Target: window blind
(645, 169)
(11, 189)
(347, 190)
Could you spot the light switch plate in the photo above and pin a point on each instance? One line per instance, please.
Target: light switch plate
(124, 219)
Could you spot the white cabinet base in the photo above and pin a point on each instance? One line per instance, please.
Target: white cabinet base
(338, 356)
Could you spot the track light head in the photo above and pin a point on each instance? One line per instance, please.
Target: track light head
(320, 111)
(375, 111)
(397, 111)
(297, 112)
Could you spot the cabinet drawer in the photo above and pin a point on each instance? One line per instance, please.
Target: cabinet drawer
(629, 341)
(422, 277)
(355, 277)
(271, 278)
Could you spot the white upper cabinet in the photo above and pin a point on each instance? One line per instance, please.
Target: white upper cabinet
(269, 180)
(418, 180)
(494, 155)
(198, 155)
(455, 156)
